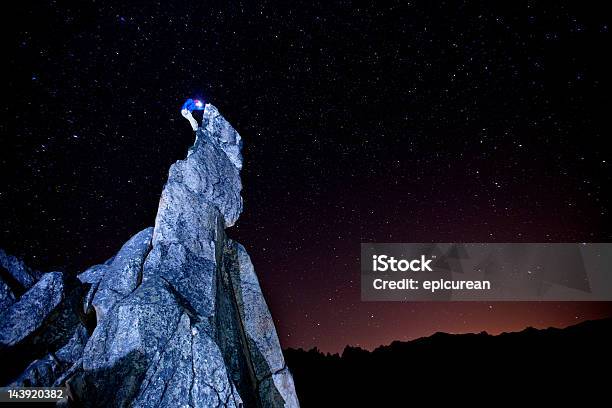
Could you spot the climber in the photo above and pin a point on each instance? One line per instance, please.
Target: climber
(189, 106)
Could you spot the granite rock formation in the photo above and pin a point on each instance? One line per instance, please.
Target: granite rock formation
(176, 318)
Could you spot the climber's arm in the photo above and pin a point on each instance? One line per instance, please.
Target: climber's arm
(187, 114)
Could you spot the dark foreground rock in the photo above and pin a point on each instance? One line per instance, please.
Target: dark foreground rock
(177, 317)
(16, 273)
(43, 319)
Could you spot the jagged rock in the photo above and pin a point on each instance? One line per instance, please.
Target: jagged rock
(118, 278)
(273, 378)
(93, 274)
(31, 311)
(181, 320)
(7, 298)
(18, 270)
(72, 351)
(42, 320)
(227, 137)
(15, 278)
(126, 342)
(47, 370)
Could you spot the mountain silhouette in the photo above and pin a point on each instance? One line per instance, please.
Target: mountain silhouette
(522, 367)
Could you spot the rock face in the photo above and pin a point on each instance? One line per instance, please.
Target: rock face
(27, 315)
(177, 317)
(17, 271)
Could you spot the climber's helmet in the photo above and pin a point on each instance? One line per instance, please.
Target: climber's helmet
(193, 104)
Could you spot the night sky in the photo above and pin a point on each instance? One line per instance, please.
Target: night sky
(403, 122)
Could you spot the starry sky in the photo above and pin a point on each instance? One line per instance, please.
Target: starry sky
(398, 122)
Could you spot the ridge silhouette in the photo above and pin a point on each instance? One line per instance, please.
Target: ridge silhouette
(460, 368)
